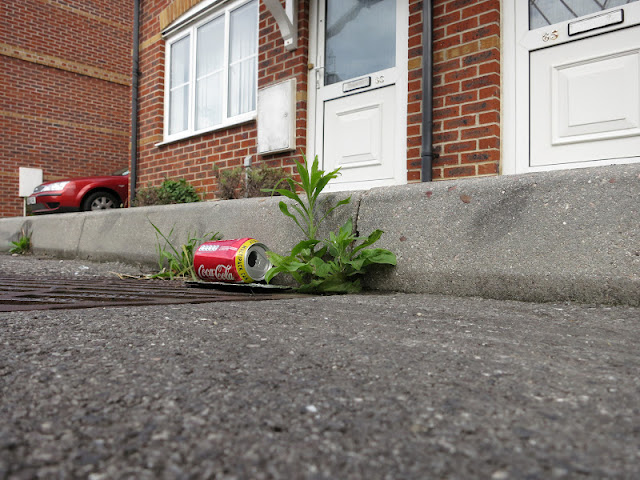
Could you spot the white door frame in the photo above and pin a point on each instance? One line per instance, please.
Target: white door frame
(402, 53)
(515, 91)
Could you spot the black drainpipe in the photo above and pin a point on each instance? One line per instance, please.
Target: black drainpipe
(427, 90)
(133, 174)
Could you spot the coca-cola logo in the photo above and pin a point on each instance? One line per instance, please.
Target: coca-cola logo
(214, 248)
(220, 272)
(208, 248)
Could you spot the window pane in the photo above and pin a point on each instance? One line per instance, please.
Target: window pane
(179, 108)
(210, 50)
(244, 32)
(180, 62)
(547, 12)
(209, 101)
(243, 59)
(360, 38)
(179, 86)
(209, 66)
(242, 87)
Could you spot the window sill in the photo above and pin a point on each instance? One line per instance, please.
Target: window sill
(237, 121)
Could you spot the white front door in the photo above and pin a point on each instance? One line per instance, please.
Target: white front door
(358, 101)
(577, 83)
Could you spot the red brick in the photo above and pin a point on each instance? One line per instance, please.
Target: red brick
(457, 172)
(483, 106)
(484, 131)
(460, 147)
(489, 169)
(488, 143)
(459, 122)
(461, 74)
(462, 26)
(480, 156)
(480, 7)
(442, 160)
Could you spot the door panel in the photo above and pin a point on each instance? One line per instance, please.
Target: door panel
(585, 100)
(359, 133)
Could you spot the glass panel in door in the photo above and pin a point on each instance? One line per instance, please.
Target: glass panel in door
(360, 38)
(548, 12)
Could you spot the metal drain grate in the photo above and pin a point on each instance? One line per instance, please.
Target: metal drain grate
(48, 293)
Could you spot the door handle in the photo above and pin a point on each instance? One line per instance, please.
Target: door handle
(319, 74)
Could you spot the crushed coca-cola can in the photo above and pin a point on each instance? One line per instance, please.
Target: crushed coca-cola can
(243, 260)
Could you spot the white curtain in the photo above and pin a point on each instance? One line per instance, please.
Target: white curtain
(209, 75)
(179, 86)
(243, 58)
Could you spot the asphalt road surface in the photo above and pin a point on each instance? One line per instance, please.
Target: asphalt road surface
(396, 386)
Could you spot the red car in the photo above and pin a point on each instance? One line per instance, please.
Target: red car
(81, 194)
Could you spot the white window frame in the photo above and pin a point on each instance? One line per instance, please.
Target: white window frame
(177, 32)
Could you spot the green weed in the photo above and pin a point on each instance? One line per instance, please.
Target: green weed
(177, 262)
(333, 265)
(22, 245)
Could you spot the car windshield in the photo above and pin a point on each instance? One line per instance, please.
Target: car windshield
(122, 171)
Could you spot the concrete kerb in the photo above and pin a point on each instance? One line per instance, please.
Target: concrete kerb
(572, 235)
(128, 235)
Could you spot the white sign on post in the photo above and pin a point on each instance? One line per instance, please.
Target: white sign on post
(30, 178)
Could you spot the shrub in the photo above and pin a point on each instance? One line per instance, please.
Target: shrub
(170, 191)
(264, 178)
(240, 183)
(230, 183)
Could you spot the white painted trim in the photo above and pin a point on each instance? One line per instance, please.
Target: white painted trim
(402, 65)
(508, 97)
(194, 14)
(239, 120)
(311, 82)
(515, 102)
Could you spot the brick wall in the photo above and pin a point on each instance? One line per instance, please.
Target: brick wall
(65, 70)
(194, 158)
(466, 91)
(466, 88)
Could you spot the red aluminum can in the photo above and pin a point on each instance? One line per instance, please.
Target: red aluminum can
(241, 260)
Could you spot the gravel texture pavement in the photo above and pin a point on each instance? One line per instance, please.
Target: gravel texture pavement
(396, 386)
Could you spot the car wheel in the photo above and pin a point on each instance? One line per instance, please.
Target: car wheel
(100, 201)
